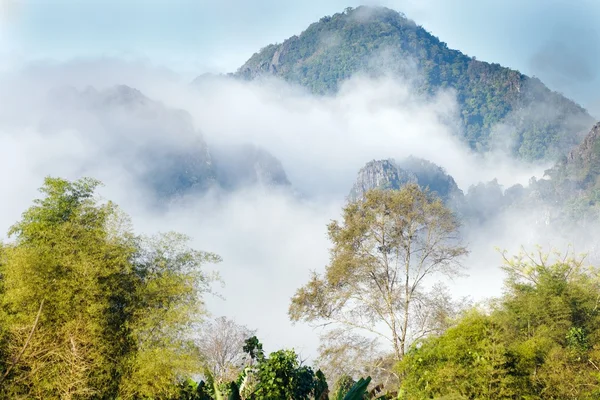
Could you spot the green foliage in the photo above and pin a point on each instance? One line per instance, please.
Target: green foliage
(468, 360)
(575, 181)
(321, 389)
(280, 376)
(254, 349)
(91, 310)
(358, 390)
(343, 386)
(190, 390)
(540, 341)
(383, 251)
(538, 123)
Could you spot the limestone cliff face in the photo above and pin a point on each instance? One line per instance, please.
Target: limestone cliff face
(583, 162)
(393, 175)
(432, 177)
(382, 174)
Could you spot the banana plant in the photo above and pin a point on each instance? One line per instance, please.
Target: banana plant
(231, 393)
(357, 391)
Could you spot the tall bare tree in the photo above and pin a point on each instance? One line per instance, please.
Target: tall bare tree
(384, 253)
(221, 343)
(345, 353)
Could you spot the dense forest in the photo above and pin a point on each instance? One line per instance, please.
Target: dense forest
(497, 105)
(91, 310)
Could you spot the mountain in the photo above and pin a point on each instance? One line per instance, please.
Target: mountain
(244, 165)
(575, 179)
(481, 203)
(499, 107)
(382, 174)
(582, 165)
(392, 175)
(157, 145)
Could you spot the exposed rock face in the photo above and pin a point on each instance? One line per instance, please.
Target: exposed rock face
(432, 177)
(390, 174)
(583, 162)
(569, 197)
(383, 174)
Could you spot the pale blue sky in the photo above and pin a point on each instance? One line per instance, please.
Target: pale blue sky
(556, 40)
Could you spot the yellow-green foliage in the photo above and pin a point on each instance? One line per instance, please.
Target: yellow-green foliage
(384, 250)
(114, 309)
(541, 341)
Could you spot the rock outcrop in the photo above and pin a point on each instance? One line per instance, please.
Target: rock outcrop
(391, 174)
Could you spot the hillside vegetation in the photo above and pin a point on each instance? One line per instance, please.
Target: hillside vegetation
(498, 105)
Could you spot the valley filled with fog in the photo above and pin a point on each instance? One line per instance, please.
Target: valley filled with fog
(286, 161)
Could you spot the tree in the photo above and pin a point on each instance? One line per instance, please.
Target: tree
(541, 340)
(4, 356)
(55, 276)
(468, 361)
(347, 354)
(93, 311)
(383, 253)
(281, 375)
(165, 310)
(221, 343)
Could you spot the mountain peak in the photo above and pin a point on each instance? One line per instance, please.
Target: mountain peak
(391, 174)
(378, 41)
(380, 174)
(123, 94)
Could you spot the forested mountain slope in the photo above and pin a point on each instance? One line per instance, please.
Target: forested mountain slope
(498, 106)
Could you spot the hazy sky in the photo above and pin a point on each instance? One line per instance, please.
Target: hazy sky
(556, 40)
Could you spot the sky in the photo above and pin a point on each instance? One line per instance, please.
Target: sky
(269, 240)
(555, 40)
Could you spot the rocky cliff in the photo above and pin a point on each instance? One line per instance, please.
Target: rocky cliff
(391, 174)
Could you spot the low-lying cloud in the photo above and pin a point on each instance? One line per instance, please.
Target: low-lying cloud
(269, 238)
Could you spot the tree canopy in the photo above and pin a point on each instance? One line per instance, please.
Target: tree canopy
(540, 341)
(91, 310)
(383, 253)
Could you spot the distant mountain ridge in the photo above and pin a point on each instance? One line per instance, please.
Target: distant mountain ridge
(498, 106)
(568, 194)
(481, 203)
(156, 144)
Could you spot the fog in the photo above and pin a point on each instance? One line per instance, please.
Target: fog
(270, 238)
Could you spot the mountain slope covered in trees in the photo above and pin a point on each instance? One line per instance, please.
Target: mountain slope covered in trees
(156, 144)
(569, 193)
(498, 106)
